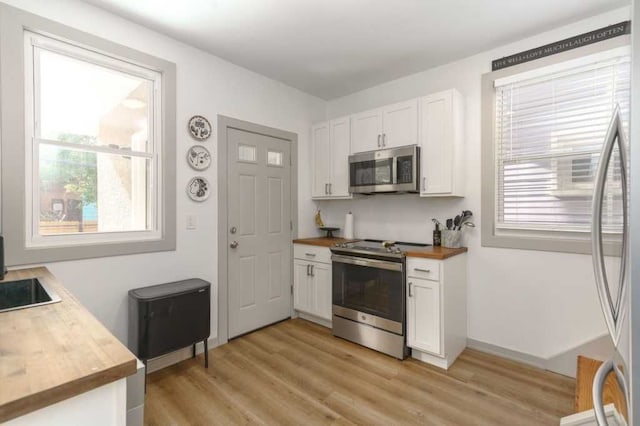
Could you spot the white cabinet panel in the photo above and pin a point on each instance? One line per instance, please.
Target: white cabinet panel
(312, 280)
(321, 277)
(320, 160)
(301, 286)
(442, 160)
(400, 124)
(423, 311)
(330, 149)
(340, 151)
(366, 131)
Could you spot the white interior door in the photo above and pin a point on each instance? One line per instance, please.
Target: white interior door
(259, 212)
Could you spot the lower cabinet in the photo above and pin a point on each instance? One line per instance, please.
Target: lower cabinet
(312, 287)
(423, 311)
(437, 309)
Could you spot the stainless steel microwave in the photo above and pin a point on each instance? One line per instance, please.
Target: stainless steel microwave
(385, 170)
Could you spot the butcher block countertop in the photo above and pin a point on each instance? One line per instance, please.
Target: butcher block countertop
(53, 352)
(322, 241)
(430, 252)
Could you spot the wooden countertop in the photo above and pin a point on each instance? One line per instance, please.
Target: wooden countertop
(321, 241)
(53, 352)
(439, 253)
(430, 252)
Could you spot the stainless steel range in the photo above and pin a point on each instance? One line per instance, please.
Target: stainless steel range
(369, 294)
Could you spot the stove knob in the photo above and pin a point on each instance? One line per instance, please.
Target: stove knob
(398, 251)
(389, 250)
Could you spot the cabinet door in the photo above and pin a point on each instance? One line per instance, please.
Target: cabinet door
(340, 150)
(366, 131)
(437, 144)
(321, 290)
(320, 160)
(400, 124)
(301, 286)
(423, 315)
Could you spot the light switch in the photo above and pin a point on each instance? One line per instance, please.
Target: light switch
(192, 221)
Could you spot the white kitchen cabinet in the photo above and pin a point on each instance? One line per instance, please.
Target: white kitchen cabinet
(441, 143)
(312, 282)
(330, 150)
(387, 127)
(436, 309)
(423, 307)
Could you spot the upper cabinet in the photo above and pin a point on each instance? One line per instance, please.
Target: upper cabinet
(441, 143)
(330, 149)
(387, 127)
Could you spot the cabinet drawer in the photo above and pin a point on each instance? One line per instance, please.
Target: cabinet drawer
(423, 268)
(314, 253)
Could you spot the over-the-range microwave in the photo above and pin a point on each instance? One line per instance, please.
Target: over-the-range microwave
(385, 170)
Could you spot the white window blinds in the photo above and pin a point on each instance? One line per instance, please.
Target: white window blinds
(550, 128)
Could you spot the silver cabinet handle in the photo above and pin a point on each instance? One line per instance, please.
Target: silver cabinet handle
(308, 273)
(312, 274)
(410, 293)
(310, 254)
(384, 139)
(233, 244)
(378, 141)
(598, 388)
(330, 192)
(424, 183)
(613, 310)
(426, 271)
(326, 191)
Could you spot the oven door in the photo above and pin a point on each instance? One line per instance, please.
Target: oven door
(369, 291)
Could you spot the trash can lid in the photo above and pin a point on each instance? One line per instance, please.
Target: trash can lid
(169, 289)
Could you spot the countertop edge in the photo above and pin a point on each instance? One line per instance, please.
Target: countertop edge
(48, 397)
(442, 253)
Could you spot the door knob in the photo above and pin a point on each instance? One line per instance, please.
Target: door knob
(233, 244)
(233, 230)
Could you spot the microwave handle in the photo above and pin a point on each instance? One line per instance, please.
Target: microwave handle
(394, 170)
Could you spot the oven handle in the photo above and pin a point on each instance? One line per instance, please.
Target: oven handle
(370, 263)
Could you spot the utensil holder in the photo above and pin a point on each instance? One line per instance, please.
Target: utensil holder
(451, 239)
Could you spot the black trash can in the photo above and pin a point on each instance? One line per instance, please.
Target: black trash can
(166, 317)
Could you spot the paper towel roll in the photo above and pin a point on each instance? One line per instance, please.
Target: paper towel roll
(348, 226)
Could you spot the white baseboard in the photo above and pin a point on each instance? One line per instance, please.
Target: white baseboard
(164, 361)
(563, 363)
(321, 321)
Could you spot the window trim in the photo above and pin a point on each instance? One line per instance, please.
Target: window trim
(528, 239)
(14, 133)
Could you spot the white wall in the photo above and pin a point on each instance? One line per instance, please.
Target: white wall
(540, 303)
(208, 86)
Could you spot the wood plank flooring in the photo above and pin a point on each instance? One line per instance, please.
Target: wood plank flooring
(297, 373)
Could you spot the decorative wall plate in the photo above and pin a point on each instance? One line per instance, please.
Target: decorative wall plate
(198, 188)
(199, 127)
(198, 157)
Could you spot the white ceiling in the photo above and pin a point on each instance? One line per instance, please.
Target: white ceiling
(330, 48)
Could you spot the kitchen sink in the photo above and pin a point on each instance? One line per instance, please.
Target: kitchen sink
(27, 293)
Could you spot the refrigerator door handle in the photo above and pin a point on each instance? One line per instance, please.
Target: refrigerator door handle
(598, 388)
(613, 311)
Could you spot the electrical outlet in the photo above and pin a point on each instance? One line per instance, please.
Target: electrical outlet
(192, 221)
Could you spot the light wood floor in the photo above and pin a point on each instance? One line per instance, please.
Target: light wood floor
(297, 373)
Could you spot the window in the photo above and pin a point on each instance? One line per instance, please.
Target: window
(548, 128)
(88, 145)
(94, 145)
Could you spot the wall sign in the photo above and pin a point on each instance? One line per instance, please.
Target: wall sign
(585, 39)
